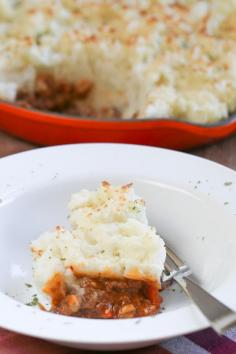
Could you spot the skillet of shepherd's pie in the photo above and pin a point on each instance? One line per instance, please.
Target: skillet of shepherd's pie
(120, 59)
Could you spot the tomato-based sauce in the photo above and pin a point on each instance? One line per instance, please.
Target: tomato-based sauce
(63, 97)
(103, 298)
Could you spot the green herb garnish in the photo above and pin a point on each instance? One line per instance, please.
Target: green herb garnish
(28, 285)
(227, 184)
(184, 45)
(34, 302)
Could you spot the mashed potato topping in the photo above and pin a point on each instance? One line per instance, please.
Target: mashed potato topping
(110, 237)
(140, 59)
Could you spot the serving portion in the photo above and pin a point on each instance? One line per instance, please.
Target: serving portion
(109, 264)
(149, 59)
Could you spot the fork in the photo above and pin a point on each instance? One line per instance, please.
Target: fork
(219, 316)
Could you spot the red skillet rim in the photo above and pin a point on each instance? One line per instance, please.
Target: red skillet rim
(58, 115)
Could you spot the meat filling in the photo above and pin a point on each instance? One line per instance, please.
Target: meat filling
(103, 298)
(63, 97)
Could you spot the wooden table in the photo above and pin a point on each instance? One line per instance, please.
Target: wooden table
(223, 152)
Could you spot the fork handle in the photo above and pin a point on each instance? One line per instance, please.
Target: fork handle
(219, 316)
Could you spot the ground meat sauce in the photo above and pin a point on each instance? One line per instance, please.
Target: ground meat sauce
(103, 298)
(63, 97)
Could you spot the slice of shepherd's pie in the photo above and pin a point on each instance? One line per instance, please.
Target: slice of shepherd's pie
(109, 265)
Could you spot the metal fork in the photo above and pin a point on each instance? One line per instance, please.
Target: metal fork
(219, 316)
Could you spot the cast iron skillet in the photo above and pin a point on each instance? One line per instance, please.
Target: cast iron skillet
(47, 128)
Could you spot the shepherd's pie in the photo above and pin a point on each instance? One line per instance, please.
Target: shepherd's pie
(120, 59)
(109, 264)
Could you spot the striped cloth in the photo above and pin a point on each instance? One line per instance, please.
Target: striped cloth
(202, 342)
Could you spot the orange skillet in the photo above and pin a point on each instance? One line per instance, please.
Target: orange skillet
(54, 128)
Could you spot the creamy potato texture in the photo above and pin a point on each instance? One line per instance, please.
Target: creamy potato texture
(136, 59)
(109, 237)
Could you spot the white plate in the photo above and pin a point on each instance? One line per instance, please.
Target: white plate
(191, 202)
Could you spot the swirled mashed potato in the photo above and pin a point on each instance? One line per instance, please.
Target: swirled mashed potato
(109, 237)
(140, 59)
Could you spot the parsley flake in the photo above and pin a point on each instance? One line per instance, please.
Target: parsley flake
(28, 285)
(227, 184)
(34, 301)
